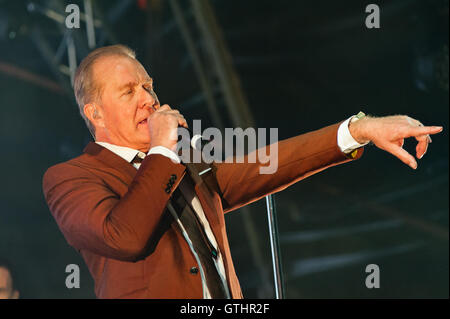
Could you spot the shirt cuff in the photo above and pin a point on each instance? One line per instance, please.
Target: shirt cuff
(345, 140)
(165, 152)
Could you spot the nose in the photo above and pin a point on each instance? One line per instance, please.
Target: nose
(149, 99)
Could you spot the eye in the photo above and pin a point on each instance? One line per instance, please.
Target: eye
(148, 87)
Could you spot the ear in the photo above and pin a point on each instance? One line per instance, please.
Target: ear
(94, 113)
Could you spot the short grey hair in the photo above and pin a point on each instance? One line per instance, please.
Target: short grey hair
(86, 91)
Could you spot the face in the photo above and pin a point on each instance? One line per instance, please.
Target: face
(127, 100)
(6, 285)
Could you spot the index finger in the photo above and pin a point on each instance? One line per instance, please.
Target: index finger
(163, 108)
(424, 130)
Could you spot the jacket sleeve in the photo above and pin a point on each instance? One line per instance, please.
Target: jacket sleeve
(298, 157)
(93, 217)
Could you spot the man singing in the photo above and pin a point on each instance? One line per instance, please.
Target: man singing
(148, 228)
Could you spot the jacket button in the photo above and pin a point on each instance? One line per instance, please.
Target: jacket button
(168, 190)
(194, 270)
(173, 177)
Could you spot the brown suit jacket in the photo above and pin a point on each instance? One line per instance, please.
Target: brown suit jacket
(115, 215)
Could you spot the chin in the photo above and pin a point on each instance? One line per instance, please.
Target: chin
(144, 143)
(143, 137)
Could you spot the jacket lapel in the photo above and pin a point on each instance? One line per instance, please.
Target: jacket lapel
(211, 211)
(121, 167)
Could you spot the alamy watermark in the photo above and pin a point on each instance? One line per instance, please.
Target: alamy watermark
(373, 19)
(73, 18)
(373, 279)
(236, 146)
(73, 279)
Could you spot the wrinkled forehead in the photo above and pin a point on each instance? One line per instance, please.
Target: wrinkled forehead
(113, 71)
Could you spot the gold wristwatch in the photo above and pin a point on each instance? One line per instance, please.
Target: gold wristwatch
(357, 117)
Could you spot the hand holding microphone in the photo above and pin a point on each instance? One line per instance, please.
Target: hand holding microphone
(163, 124)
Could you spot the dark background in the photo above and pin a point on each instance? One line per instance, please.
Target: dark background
(302, 65)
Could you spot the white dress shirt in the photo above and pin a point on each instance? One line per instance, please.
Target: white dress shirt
(345, 140)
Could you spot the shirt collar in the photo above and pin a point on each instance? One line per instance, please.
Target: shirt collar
(126, 153)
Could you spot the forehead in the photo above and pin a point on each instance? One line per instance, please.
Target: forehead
(116, 70)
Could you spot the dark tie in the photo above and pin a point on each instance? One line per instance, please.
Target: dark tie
(137, 159)
(200, 242)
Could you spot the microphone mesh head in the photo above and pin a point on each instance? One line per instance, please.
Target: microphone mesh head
(196, 142)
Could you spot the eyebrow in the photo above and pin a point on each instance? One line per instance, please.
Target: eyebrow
(133, 84)
(127, 85)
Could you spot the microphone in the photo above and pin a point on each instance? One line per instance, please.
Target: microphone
(197, 169)
(197, 140)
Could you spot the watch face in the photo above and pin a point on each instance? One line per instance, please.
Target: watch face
(357, 117)
(360, 115)
(354, 119)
